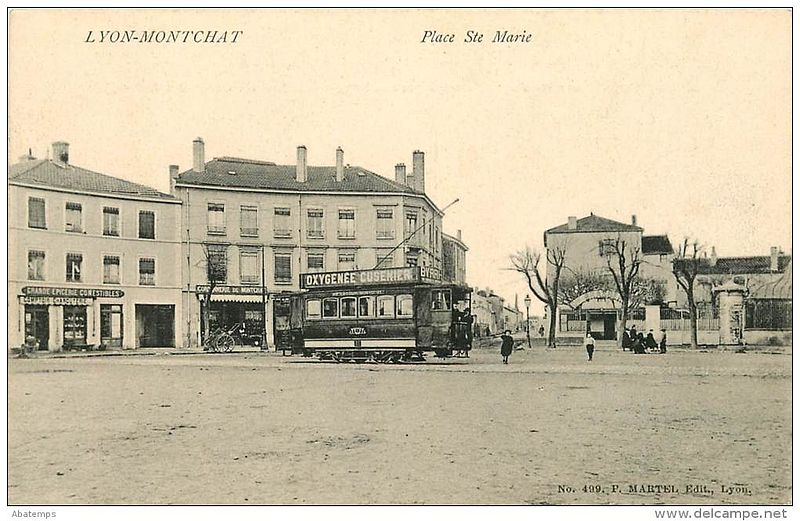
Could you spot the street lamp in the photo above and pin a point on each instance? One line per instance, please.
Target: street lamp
(528, 318)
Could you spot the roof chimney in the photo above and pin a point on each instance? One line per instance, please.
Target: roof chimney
(633, 220)
(419, 171)
(572, 222)
(199, 154)
(339, 164)
(173, 176)
(773, 258)
(713, 259)
(301, 172)
(458, 235)
(27, 157)
(400, 173)
(61, 153)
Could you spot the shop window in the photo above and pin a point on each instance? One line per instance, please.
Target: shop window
(385, 305)
(74, 263)
(35, 265)
(385, 224)
(440, 300)
(249, 267)
(147, 272)
(347, 260)
(249, 221)
(315, 228)
(330, 308)
(110, 269)
(313, 309)
(316, 262)
(347, 224)
(74, 325)
(283, 268)
(147, 224)
(366, 307)
(36, 213)
(217, 263)
(405, 306)
(111, 222)
(73, 218)
(216, 219)
(282, 226)
(348, 309)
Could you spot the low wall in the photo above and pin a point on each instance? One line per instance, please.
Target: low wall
(768, 338)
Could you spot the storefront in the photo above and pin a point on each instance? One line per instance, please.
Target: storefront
(234, 308)
(155, 325)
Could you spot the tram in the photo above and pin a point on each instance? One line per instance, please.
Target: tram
(381, 315)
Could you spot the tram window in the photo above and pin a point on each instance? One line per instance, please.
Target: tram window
(385, 306)
(405, 306)
(313, 309)
(348, 307)
(330, 308)
(366, 306)
(440, 299)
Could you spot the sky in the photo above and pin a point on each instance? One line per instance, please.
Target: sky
(682, 117)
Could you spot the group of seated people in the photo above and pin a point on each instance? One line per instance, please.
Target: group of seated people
(639, 344)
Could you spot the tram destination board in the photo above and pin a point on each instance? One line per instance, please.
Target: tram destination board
(347, 279)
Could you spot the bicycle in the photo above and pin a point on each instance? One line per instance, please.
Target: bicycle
(221, 340)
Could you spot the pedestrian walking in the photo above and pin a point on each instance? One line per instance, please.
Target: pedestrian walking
(589, 345)
(507, 345)
(541, 330)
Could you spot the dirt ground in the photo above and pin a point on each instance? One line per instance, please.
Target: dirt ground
(266, 429)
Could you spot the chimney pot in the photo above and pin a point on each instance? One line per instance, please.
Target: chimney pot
(633, 220)
(400, 173)
(301, 172)
(61, 152)
(773, 258)
(713, 256)
(572, 223)
(458, 234)
(419, 171)
(199, 155)
(339, 165)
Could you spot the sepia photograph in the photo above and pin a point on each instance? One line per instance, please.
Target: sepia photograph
(354, 257)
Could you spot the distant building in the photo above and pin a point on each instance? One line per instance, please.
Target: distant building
(454, 258)
(92, 258)
(492, 315)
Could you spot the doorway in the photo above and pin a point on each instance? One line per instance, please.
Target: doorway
(111, 325)
(37, 325)
(155, 325)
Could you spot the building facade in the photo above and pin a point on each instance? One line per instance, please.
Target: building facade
(91, 259)
(454, 258)
(253, 226)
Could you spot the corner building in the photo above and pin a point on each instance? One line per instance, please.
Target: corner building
(262, 224)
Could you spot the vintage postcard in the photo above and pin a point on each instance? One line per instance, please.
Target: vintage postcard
(400, 257)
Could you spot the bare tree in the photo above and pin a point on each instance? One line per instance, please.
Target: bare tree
(685, 268)
(623, 260)
(576, 283)
(544, 288)
(214, 262)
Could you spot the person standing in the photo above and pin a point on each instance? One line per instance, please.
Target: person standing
(507, 346)
(589, 345)
(663, 343)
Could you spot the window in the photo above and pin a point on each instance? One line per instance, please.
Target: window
(440, 300)
(217, 263)
(385, 224)
(330, 308)
(347, 224)
(249, 267)
(411, 223)
(348, 307)
(74, 262)
(384, 258)
(147, 224)
(366, 307)
(316, 262)
(405, 306)
(385, 306)
(36, 213)
(248, 220)
(411, 260)
(72, 218)
(347, 260)
(283, 268)
(110, 269)
(282, 226)
(147, 272)
(216, 219)
(35, 265)
(111, 222)
(315, 228)
(606, 247)
(313, 309)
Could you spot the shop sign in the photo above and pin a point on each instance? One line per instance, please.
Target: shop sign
(44, 291)
(230, 290)
(430, 274)
(346, 279)
(56, 301)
